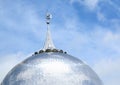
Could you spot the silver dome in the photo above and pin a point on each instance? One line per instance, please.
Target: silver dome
(52, 68)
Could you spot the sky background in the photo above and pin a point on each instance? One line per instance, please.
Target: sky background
(86, 29)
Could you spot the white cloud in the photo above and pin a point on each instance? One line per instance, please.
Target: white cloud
(93, 4)
(96, 6)
(108, 69)
(101, 16)
(112, 41)
(90, 4)
(117, 7)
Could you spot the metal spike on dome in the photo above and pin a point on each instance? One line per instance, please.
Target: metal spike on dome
(48, 43)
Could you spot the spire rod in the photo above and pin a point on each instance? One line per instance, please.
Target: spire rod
(48, 43)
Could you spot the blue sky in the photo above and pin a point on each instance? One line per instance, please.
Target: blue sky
(86, 29)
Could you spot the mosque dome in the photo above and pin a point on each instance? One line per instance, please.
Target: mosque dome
(51, 66)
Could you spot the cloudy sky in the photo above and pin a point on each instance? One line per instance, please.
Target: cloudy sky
(86, 29)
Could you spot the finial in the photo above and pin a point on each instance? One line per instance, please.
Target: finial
(48, 43)
(49, 46)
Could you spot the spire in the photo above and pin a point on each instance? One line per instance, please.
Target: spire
(48, 43)
(49, 46)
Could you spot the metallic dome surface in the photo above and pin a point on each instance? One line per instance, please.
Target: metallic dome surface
(51, 68)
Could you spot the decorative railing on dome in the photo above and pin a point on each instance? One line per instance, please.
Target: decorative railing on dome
(50, 50)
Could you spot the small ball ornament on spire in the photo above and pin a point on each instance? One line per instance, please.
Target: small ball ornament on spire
(48, 17)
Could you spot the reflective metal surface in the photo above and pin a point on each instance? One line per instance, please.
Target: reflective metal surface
(52, 69)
